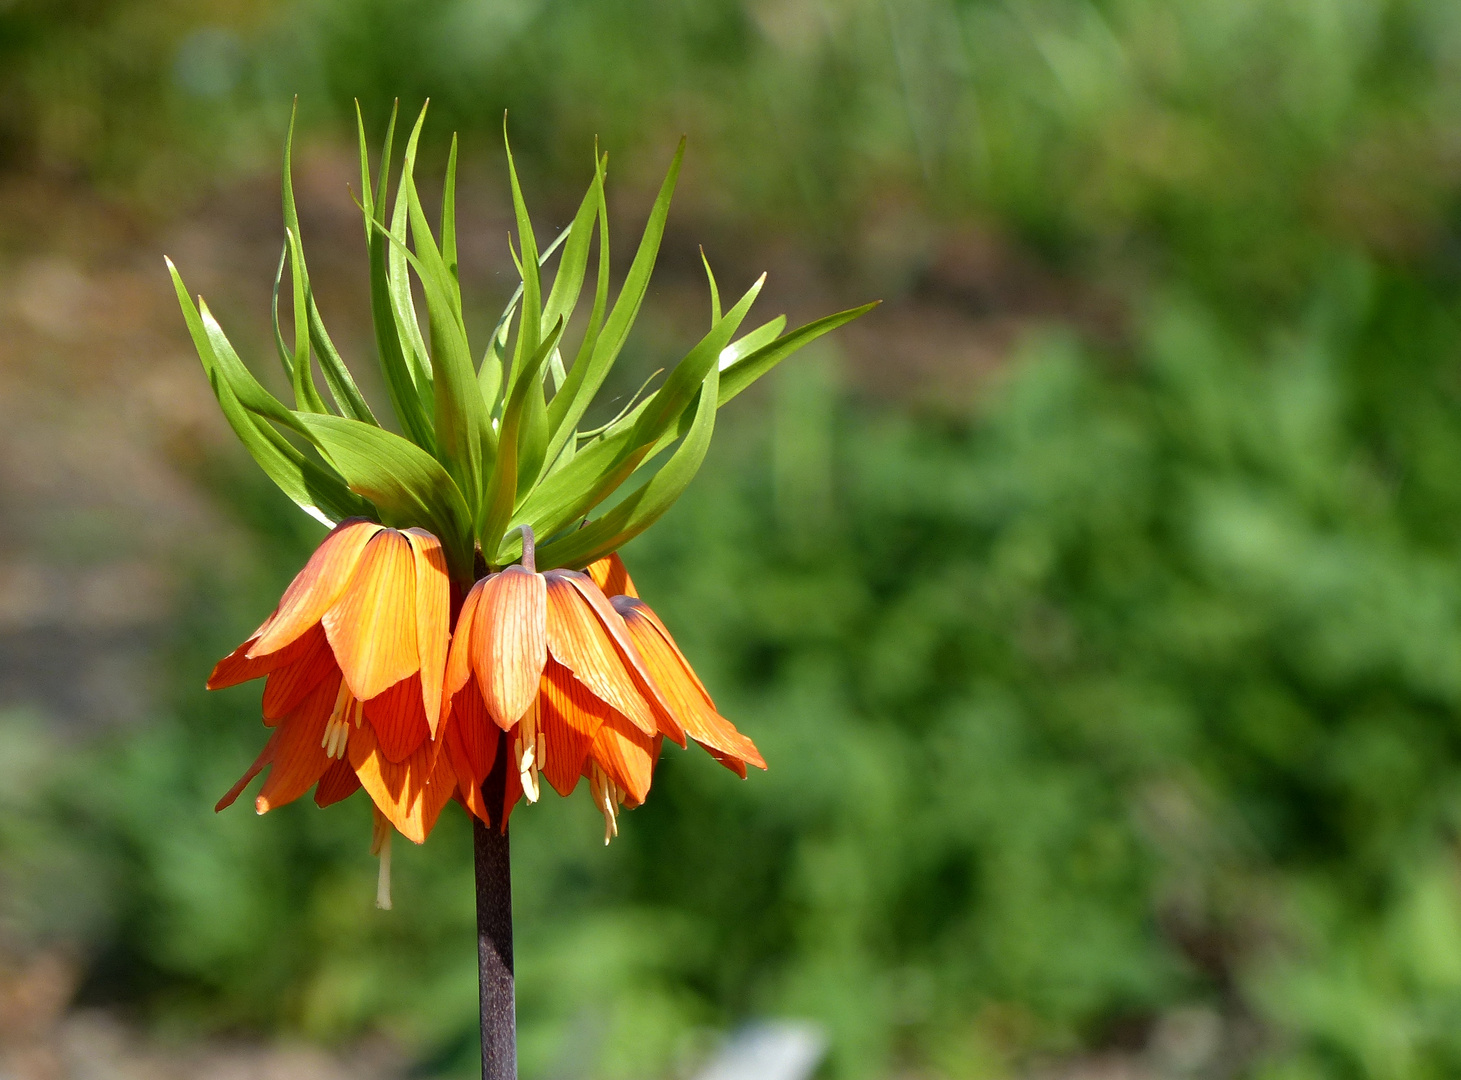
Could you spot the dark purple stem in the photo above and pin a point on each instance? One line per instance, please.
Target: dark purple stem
(494, 927)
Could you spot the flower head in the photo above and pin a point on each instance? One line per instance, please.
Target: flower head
(352, 660)
(550, 661)
(361, 689)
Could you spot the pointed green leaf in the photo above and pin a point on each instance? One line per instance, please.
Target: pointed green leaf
(501, 492)
(460, 418)
(645, 505)
(310, 486)
(685, 380)
(405, 397)
(449, 220)
(530, 325)
(306, 394)
(586, 376)
(746, 370)
(407, 485)
(746, 344)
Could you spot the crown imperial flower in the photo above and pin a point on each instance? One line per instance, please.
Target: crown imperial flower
(552, 664)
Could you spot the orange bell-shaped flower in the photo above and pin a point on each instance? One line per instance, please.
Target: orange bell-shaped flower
(353, 657)
(548, 659)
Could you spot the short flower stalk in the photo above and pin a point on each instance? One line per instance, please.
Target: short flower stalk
(467, 631)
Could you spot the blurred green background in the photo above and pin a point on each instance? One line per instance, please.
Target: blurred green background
(1096, 601)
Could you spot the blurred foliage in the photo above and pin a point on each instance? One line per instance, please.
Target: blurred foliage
(1126, 693)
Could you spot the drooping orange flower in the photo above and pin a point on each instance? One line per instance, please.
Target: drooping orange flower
(353, 657)
(551, 661)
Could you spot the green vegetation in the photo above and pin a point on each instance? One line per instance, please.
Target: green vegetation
(1130, 687)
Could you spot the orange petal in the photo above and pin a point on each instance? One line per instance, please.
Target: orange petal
(569, 715)
(299, 756)
(682, 688)
(509, 647)
(433, 614)
(399, 719)
(611, 577)
(339, 782)
(476, 732)
(469, 783)
(239, 667)
(734, 764)
(410, 793)
(626, 754)
(287, 686)
(578, 639)
(266, 755)
(459, 658)
(315, 589)
(372, 627)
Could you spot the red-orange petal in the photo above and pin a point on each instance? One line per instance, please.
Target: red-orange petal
(569, 716)
(433, 616)
(372, 627)
(611, 577)
(315, 589)
(682, 688)
(288, 685)
(578, 639)
(410, 793)
(266, 755)
(626, 754)
(399, 719)
(477, 734)
(339, 782)
(239, 667)
(509, 642)
(459, 656)
(299, 755)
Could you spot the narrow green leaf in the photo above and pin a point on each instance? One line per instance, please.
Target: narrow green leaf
(407, 485)
(460, 418)
(403, 303)
(567, 494)
(645, 505)
(286, 361)
(310, 486)
(532, 442)
(449, 220)
(405, 397)
(501, 492)
(568, 281)
(746, 344)
(685, 380)
(714, 292)
(581, 388)
(530, 325)
(342, 386)
(746, 370)
(306, 394)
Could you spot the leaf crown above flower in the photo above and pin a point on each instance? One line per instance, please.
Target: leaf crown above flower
(493, 444)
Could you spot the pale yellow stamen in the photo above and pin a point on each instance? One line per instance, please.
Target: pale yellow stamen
(337, 729)
(607, 797)
(528, 750)
(380, 846)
